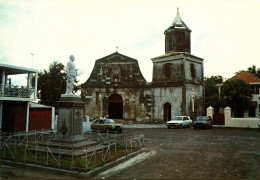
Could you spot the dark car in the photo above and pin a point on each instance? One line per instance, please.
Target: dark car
(203, 122)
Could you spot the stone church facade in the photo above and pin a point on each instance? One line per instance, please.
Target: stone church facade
(116, 85)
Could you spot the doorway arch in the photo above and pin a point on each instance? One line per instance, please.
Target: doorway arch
(115, 106)
(167, 113)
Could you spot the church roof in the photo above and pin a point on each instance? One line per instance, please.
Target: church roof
(116, 70)
(247, 77)
(178, 23)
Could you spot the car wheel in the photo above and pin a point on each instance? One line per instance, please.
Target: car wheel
(181, 126)
(207, 126)
(194, 127)
(169, 127)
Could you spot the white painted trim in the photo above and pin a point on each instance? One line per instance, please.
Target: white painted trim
(15, 99)
(26, 70)
(52, 117)
(35, 85)
(3, 80)
(27, 117)
(1, 115)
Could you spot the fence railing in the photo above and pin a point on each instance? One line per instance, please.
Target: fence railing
(35, 147)
(15, 91)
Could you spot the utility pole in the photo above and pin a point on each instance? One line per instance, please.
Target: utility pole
(32, 59)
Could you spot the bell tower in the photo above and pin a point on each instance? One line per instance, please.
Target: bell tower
(177, 36)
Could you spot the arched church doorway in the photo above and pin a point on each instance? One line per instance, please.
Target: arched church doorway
(167, 112)
(115, 106)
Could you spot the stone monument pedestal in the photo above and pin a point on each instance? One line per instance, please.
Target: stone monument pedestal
(70, 119)
(69, 139)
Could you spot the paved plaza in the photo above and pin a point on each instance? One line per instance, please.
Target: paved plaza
(180, 154)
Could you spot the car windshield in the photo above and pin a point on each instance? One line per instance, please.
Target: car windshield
(202, 118)
(109, 121)
(177, 118)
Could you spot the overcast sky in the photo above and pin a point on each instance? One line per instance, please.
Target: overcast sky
(225, 33)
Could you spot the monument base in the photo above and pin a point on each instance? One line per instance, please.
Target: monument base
(70, 118)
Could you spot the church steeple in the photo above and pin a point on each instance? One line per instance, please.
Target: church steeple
(177, 36)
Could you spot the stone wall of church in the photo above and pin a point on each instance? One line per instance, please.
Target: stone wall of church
(198, 98)
(168, 71)
(162, 95)
(193, 71)
(136, 102)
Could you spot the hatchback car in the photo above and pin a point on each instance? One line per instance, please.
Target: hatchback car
(106, 125)
(203, 122)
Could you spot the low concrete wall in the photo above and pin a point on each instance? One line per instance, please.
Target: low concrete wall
(242, 122)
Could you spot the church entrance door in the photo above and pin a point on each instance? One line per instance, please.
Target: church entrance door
(115, 106)
(167, 112)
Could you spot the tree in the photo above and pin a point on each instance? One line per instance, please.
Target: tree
(52, 83)
(236, 94)
(211, 91)
(254, 71)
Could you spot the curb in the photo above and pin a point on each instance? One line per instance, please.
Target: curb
(74, 173)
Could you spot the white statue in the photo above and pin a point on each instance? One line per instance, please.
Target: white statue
(71, 74)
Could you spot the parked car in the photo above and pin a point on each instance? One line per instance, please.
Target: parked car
(106, 125)
(203, 122)
(179, 121)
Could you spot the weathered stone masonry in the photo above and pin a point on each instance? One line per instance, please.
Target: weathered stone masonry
(117, 86)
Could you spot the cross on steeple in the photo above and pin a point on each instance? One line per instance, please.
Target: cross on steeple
(116, 48)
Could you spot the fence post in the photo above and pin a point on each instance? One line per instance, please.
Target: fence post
(98, 135)
(47, 154)
(143, 140)
(102, 155)
(107, 135)
(14, 148)
(59, 156)
(4, 150)
(86, 157)
(19, 137)
(25, 153)
(72, 157)
(115, 149)
(109, 150)
(27, 137)
(42, 135)
(126, 146)
(35, 152)
(35, 135)
(131, 141)
(95, 157)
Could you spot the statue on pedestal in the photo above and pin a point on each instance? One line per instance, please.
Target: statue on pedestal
(71, 74)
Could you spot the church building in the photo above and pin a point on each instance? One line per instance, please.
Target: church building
(116, 85)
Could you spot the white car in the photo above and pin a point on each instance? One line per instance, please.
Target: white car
(179, 121)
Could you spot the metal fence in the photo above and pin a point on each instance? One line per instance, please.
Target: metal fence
(35, 147)
(15, 91)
